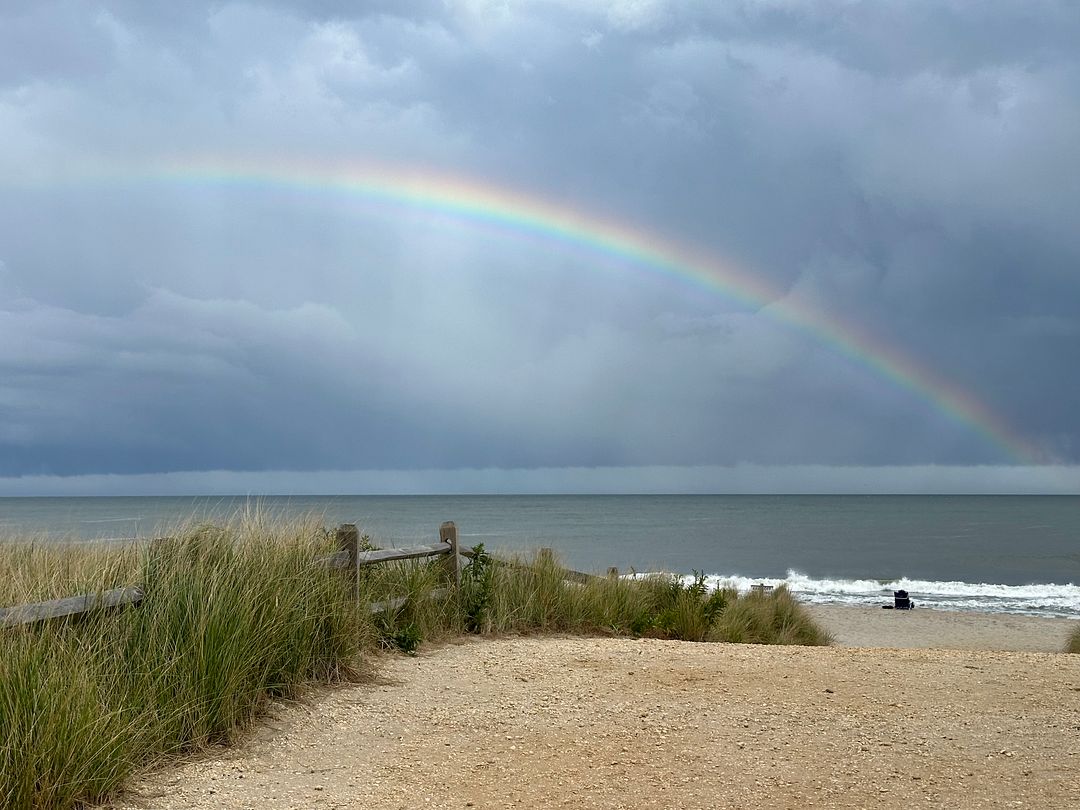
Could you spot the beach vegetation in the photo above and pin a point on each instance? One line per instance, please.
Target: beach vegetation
(476, 587)
(234, 616)
(770, 618)
(532, 594)
(1073, 644)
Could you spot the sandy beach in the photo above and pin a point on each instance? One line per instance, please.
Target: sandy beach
(964, 710)
(941, 629)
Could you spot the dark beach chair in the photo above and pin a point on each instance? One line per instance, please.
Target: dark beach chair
(901, 600)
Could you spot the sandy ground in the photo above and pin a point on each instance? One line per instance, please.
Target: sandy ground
(622, 723)
(949, 630)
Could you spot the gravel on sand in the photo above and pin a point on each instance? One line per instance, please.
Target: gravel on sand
(623, 723)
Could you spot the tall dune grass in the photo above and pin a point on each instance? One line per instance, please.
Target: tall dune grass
(231, 618)
(35, 571)
(234, 616)
(532, 595)
(775, 618)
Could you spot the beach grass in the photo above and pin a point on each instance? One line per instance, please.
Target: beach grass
(1073, 644)
(231, 618)
(772, 618)
(236, 615)
(37, 570)
(531, 594)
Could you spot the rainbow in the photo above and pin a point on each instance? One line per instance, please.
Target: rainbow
(508, 211)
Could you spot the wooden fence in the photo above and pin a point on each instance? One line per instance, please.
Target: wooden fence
(349, 558)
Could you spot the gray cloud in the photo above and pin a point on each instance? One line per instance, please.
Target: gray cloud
(908, 168)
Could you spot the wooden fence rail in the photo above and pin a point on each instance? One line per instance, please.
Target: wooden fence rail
(349, 558)
(71, 606)
(342, 559)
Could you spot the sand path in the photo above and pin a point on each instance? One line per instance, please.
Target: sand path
(613, 723)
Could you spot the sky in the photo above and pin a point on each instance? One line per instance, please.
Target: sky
(276, 245)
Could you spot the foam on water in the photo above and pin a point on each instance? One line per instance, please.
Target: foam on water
(1034, 600)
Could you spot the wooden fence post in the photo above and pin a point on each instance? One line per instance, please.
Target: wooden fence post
(348, 538)
(448, 534)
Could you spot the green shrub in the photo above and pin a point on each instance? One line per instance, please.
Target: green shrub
(405, 638)
(476, 586)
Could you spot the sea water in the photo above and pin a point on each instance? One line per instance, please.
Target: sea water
(987, 553)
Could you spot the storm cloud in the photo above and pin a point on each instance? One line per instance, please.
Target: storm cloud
(909, 168)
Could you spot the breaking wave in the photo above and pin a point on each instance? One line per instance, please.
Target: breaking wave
(1034, 600)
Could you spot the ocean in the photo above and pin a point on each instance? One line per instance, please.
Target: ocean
(1016, 554)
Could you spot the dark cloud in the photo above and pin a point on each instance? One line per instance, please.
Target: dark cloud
(908, 169)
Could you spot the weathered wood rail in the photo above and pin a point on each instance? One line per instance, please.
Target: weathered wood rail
(71, 606)
(349, 559)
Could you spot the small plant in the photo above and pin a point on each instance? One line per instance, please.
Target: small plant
(407, 638)
(642, 624)
(697, 586)
(1073, 644)
(717, 601)
(476, 586)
